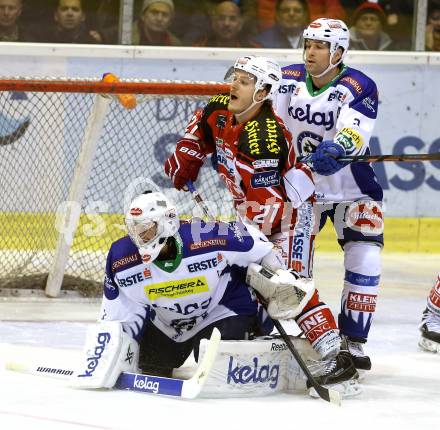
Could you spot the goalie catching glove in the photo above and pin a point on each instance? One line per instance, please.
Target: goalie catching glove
(184, 164)
(286, 295)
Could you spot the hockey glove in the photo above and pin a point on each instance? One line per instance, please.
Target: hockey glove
(324, 160)
(185, 163)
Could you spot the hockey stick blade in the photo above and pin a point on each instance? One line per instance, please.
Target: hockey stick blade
(184, 388)
(379, 158)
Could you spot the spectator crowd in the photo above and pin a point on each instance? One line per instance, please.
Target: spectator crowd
(374, 25)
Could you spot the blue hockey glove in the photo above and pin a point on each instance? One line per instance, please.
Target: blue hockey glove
(324, 160)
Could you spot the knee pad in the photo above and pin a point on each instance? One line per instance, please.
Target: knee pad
(362, 275)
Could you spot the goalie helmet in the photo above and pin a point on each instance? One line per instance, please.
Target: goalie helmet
(151, 218)
(265, 70)
(333, 31)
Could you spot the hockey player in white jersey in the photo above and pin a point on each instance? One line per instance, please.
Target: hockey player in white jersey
(331, 110)
(430, 325)
(169, 283)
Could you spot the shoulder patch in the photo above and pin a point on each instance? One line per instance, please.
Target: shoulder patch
(294, 71)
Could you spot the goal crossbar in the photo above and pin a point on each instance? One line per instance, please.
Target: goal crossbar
(123, 87)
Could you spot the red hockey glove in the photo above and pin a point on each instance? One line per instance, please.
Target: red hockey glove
(184, 164)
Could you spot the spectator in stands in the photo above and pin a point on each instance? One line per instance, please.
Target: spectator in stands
(433, 27)
(266, 11)
(226, 28)
(10, 28)
(153, 26)
(69, 25)
(367, 32)
(399, 18)
(105, 14)
(291, 19)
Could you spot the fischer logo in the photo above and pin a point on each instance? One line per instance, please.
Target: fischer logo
(103, 339)
(238, 374)
(142, 383)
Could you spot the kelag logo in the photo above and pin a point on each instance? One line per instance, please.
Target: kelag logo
(238, 374)
(103, 339)
(142, 383)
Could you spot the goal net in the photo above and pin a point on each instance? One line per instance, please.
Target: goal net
(72, 157)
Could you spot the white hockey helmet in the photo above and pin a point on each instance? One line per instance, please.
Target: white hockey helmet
(266, 71)
(333, 31)
(147, 211)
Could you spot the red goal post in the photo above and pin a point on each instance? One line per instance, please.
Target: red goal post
(71, 158)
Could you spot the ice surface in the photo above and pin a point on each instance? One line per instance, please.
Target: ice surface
(402, 391)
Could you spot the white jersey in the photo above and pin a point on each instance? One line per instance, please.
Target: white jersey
(343, 111)
(203, 284)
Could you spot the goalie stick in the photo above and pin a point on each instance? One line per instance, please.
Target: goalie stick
(327, 394)
(379, 158)
(183, 388)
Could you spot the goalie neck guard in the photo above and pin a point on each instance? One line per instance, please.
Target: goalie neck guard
(151, 218)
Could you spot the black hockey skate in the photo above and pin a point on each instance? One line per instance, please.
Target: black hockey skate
(338, 373)
(430, 329)
(361, 361)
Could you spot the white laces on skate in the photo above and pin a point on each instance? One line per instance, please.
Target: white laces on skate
(322, 367)
(355, 348)
(432, 321)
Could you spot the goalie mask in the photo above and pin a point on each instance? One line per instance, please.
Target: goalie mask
(150, 220)
(333, 31)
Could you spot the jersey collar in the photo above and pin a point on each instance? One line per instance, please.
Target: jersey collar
(309, 83)
(171, 265)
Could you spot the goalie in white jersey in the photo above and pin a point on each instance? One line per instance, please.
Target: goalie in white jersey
(331, 110)
(169, 283)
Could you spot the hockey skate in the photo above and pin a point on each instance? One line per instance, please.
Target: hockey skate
(361, 361)
(338, 373)
(430, 328)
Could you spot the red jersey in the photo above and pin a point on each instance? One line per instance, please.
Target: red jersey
(252, 158)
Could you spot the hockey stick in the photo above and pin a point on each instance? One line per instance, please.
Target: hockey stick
(379, 158)
(327, 394)
(183, 388)
(198, 199)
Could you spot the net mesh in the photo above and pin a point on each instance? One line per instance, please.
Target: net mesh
(40, 139)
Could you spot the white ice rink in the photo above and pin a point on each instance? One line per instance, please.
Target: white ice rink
(402, 391)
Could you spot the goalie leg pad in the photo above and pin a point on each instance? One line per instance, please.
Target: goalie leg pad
(108, 352)
(285, 294)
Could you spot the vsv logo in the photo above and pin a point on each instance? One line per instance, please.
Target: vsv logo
(253, 374)
(103, 339)
(316, 118)
(144, 384)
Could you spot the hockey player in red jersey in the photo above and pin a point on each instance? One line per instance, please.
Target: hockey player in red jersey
(430, 325)
(257, 162)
